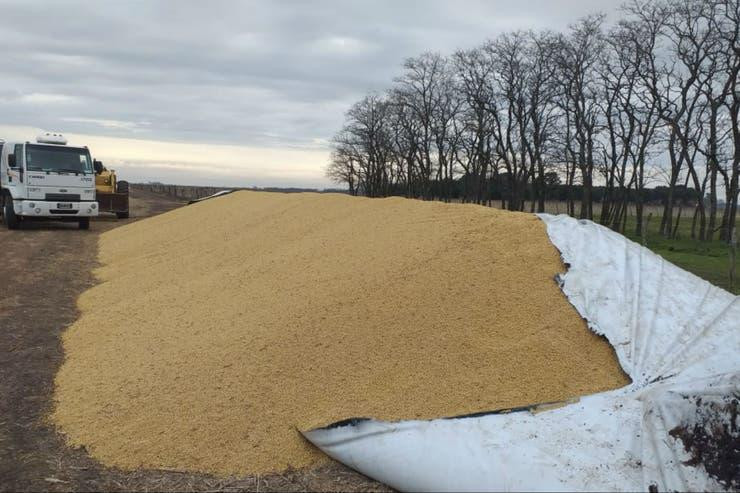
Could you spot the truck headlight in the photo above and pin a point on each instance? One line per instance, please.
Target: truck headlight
(94, 205)
(31, 205)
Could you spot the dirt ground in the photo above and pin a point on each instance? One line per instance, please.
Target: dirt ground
(43, 268)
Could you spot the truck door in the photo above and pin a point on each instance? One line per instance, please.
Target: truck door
(15, 165)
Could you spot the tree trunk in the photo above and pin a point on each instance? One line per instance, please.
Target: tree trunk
(665, 225)
(542, 188)
(586, 201)
(712, 202)
(693, 221)
(674, 233)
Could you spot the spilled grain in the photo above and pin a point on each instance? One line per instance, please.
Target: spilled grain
(221, 328)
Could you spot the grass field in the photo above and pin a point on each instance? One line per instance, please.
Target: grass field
(708, 260)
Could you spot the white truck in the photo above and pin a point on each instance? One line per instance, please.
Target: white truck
(46, 179)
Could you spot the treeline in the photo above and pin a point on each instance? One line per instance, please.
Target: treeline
(554, 190)
(593, 114)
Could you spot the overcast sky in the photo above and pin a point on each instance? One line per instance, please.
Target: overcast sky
(231, 93)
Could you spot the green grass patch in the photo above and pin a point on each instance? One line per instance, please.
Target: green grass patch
(709, 260)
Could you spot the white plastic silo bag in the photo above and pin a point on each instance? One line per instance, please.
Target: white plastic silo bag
(676, 427)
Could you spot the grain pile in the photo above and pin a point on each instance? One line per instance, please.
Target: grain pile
(221, 328)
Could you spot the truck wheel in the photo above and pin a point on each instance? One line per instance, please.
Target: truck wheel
(11, 220)
(122, 215)
(84, 223)
(122, 186)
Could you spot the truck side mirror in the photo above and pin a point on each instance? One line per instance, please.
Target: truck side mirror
(11, 160)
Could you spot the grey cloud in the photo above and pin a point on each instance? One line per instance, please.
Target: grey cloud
(261, 73)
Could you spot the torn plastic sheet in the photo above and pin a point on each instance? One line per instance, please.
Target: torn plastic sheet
(674, 428)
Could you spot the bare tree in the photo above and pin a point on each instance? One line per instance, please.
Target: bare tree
(541, 91)
(404, 140)
(418, 89)
(631, 117)
(446, 131)
(580, 52)
(510, 112)
(726, 23)
(366, 140)
(342, 168)
(674, 82)
(474, 71)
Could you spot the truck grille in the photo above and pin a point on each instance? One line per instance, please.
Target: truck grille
(62, 197)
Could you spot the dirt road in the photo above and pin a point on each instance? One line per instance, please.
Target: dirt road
(43, 268)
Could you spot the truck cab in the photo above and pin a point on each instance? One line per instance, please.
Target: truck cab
(47, 179)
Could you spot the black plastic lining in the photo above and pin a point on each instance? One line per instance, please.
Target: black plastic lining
(509, 410)
(345, 422)
(531, 407)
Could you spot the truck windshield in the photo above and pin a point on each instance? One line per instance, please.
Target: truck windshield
(58, 159)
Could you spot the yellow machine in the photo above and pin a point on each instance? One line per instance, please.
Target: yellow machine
(111, 193)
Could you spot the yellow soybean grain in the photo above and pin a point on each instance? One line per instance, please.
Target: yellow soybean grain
(220, 329)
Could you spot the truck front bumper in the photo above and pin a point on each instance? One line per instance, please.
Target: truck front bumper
(41, 208)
